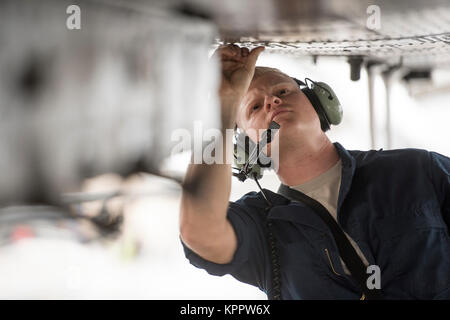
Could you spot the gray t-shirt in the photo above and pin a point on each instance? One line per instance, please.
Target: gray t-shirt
(325, 189)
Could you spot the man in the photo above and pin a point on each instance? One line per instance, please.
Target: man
(394, 206)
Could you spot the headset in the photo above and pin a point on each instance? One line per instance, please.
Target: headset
(328, 108)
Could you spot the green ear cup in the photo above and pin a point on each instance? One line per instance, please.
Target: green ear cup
(330, 103)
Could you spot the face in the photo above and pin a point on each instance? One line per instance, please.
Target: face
(274, 96)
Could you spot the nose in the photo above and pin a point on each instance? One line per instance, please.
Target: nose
(270, 102)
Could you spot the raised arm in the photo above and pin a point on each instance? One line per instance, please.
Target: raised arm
(204, 227)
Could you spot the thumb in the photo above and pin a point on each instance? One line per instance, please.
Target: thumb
(252, 57)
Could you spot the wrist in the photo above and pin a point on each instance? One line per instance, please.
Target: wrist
(229, 113)
(228, 119)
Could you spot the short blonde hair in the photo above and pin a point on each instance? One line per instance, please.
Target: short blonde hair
(259, 71)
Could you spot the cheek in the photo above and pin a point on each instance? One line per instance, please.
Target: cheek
(306, 109)
(239, 119)
(246, 126)
(311, 112)
(254, 126)
(253, 134)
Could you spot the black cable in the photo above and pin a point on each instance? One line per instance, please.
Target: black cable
(242, 175)
(275, 294)
(274, 261)
(262, 192)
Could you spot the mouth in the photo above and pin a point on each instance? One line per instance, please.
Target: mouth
(277, 112)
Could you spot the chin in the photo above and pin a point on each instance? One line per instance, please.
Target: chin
(286, 129)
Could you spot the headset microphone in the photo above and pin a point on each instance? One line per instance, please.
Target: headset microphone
(251, 168)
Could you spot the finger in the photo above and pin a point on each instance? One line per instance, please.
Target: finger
(253, 56)
(244, 52)
(223, 50)
(229, 50)
(236, 49)
(229, 65)
(234, 46)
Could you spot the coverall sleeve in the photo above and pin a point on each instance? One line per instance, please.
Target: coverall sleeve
(440, 175)
(249, 263)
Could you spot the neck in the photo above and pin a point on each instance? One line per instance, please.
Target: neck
(304, 160)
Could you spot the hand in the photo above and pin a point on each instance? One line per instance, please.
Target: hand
(238, 67)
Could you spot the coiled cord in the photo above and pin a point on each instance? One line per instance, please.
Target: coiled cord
(274, 262)
(273, 250)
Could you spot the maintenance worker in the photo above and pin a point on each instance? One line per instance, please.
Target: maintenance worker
(393, 206)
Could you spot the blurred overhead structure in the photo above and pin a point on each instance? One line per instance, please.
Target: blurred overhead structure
(418, 31)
